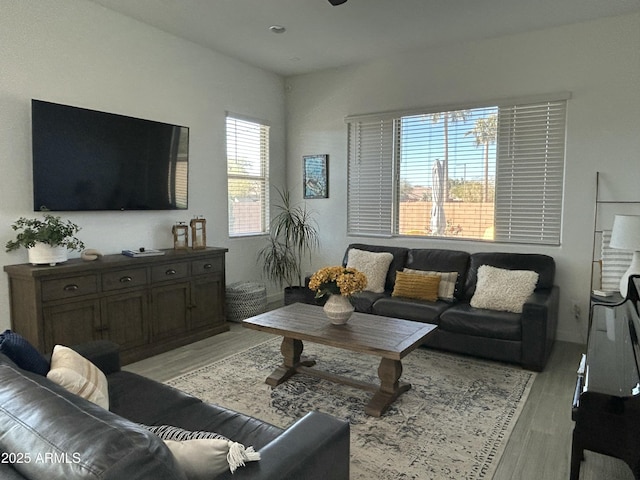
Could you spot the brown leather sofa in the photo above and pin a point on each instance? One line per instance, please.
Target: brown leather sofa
(47, 432)
(525, 338)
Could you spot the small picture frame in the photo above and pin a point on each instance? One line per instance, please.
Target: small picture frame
(316, 176)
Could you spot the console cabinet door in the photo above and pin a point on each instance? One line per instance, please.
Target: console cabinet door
(125, 319)
(71, 323)
(208, 302)
(170, 306)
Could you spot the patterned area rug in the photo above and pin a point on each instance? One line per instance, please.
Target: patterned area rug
(453, 424)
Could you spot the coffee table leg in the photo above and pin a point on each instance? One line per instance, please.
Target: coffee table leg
(291, 349)
(391, 388)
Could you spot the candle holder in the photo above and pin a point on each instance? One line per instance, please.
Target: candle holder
(180, 236)
(198, 233)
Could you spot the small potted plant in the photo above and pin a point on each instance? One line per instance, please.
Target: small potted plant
(46, 239)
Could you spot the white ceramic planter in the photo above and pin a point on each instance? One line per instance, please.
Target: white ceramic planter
(338, 309)
(43, 254)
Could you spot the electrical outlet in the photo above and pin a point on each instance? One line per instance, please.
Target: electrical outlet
(577, 313)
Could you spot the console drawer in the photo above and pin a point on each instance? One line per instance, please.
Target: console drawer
(134, 277)
(207, 265)
(169, 271)
(69, 287)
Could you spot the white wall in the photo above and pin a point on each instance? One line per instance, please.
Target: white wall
(599, 62)
(78, 53)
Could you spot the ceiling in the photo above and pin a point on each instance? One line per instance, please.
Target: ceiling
(320, 36)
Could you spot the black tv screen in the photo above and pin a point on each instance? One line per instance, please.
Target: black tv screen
(89, 160)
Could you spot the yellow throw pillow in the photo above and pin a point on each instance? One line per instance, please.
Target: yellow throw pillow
(420, 287)
(447, 282)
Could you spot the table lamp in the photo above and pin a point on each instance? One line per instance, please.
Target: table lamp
(625, 235)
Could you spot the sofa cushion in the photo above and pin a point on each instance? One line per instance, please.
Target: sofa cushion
(464, 319)
(363, 301)
(420, 287)
(501, 289)
(374, 265)
(543, 265)
(78, 375)
(22, 353)
(398, 262)
(89, 442)
(436, 260)
(146, 401)
(447, 285)
(410, 309)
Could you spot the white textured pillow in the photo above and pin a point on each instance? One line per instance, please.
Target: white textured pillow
(204, 459)
(72, 371)
(505, 290)
(447, 286)
(374, 265)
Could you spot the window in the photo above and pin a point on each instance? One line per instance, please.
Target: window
(490, 173)
(247, 176)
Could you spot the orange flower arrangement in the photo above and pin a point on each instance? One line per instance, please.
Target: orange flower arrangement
(337, 280)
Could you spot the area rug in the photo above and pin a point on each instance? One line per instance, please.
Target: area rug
(452, 424)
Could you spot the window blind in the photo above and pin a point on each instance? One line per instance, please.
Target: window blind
(502, 170)
(530, 173)
(247, 176)
(370, 177)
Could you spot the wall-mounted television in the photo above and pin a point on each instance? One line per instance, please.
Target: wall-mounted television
(90, 160)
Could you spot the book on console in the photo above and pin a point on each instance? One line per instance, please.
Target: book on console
(147, 252)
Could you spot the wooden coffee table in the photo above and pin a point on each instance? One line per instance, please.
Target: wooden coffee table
(389, 338)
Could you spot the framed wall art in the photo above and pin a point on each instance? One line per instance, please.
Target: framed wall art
(316, 176)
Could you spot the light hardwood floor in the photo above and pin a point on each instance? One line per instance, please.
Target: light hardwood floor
(538, 449)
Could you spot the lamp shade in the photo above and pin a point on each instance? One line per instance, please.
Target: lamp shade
(625, 235)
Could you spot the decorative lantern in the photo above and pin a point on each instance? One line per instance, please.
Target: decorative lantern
(180, 236)
(198, 233)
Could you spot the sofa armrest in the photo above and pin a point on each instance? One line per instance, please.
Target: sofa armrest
(539, 323)
(102, 353)
(316, 447)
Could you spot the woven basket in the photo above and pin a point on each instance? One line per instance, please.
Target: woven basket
(244, 300)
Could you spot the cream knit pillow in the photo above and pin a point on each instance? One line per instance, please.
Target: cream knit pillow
(374, 265)
(505, 290)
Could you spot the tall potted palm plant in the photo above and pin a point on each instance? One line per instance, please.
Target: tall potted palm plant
(293, 235)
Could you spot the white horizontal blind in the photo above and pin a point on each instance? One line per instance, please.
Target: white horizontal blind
(180, 176)
(530, 173)
(370, 177)
(247, 176)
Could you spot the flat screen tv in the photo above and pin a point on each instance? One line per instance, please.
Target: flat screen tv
(89, 160)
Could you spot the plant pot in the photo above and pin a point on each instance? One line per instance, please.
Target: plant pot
(338, 309)
(43, 254)
(298, 295)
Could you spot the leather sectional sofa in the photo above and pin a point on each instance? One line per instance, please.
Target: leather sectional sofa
(525, 338)
(47, 432)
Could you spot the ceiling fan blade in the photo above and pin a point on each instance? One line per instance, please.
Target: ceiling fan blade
(337, 2)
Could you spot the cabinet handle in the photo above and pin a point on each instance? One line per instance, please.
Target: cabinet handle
(207, 266)
(70, 288)
(126, 279)
(171, 271)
